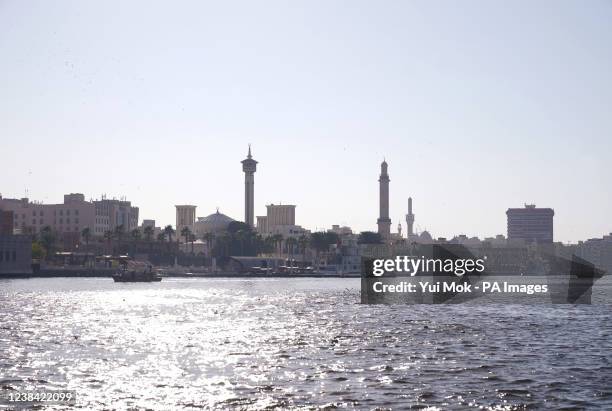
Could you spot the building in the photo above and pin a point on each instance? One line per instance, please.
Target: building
(280, 215)
(384, 222)
(150, 223)
(6, 222)
(185, 217)
(280, 219)
(262, 224)
(597, 251)
(69, 218)
(409, 219)
(113, 213)
(249, 166)
(15, 255)
(530, 224)
(212, 224)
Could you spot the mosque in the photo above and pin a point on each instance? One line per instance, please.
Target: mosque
(384, 222)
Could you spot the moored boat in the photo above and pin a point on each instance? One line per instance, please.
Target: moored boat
(134, 272)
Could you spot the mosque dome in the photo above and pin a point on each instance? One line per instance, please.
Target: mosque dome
(213, 223)
(425, 236)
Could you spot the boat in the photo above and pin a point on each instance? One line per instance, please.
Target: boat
(133, 272)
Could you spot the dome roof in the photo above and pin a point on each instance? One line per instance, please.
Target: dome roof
(216, 218)
(213, 223)
(425, 236)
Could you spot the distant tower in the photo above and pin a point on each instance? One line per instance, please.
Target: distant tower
(384, 222)
(399, 229)
(409, 218)
(185, 217)
(249, 166)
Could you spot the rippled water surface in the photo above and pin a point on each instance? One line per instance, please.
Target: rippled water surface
(291, 343)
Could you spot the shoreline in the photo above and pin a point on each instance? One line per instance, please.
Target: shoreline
(204, 275)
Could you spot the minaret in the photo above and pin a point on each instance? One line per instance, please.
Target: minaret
(384, 222)
(249, 166)
(399, 230)
(409, 219)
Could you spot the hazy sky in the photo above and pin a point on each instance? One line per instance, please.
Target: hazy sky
(477, 106)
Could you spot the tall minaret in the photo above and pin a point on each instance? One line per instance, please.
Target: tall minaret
(384, 222)
(249, 166)
(409, 219)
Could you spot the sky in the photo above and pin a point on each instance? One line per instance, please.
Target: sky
(477, 106)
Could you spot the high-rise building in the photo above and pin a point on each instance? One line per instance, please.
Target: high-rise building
(530, 224)
(384, 222)
(409, 219)
(249, 166)
(185, 217)
(112, 214)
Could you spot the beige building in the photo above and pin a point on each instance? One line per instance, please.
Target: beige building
(72, 216)
(185, 217)
(280, 215)
(113, 213)
(280, 220)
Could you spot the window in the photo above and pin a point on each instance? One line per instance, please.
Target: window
(67, 212)
(61, 221)
(33, 221)
(76, 220)
(67, 220)
(41, 213)
(34, 212)
(76, 212)
(61, 212)
(40, 221)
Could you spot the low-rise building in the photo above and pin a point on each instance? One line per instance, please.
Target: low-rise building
(15, 254)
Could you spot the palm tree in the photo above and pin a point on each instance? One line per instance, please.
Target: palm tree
(161, 237)
(119, 234)
(303, 241)
(86, 234)
(169, 231)
(108, 236)
(278, 243)
(192, 238)
(148, 233)
(47, 239)
(291, 243)
(186, 233)
(135, 234)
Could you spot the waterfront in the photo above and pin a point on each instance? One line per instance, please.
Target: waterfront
(256, 343)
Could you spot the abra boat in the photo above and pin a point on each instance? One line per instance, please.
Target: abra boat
(136, 273)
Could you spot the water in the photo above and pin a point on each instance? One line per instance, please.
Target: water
(252, 344)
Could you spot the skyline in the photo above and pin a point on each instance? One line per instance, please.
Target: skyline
(99, 105)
